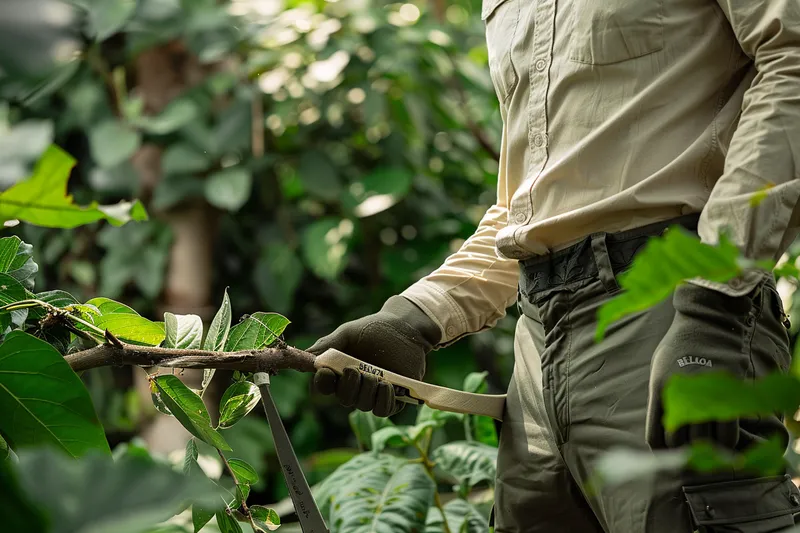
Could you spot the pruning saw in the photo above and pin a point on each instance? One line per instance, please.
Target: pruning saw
(406, 390)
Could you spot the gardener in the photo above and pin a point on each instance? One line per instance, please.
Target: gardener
(620, 118)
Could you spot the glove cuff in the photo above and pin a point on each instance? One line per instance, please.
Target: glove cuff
(411, 314)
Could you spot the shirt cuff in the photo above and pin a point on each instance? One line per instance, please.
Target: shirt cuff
(441, 308)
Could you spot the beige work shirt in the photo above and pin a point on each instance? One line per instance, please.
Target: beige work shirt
(620, 113)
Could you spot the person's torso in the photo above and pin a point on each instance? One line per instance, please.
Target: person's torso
(617, 113)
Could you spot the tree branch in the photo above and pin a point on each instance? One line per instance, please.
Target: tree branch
(265, 360)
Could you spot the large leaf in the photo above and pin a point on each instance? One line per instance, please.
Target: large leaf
(176, 115)
(183, 331)
(326, 243)
(277, 275)
(189, 409)
(360, 467)
(237, 402)
(183, 158)
(111, 143)
(43, 401)
(131, 328)
(364, 424)
(42, 199)
(383, 188)
(384, 502)
(229, 189)
(217, 334)
(16, 260)
(461, 516)
(468, 462)
(257, 331)
(108, 16)
(96, 493)
(227, 524)
(692, 399)
(319, 176)
(664, 263)
(391, 436)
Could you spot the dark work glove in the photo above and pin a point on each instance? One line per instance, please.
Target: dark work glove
(708, 333)
(397, 338)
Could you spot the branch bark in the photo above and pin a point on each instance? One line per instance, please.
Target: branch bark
(265, 360)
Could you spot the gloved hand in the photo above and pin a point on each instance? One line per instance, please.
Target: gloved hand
(709, 332)
(396, 338)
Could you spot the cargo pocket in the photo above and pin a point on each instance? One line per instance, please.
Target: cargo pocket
(501, 18)
(761, 505)
(612, 31)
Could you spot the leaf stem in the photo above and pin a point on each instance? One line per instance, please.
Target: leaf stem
(238, 485)
(426, 462)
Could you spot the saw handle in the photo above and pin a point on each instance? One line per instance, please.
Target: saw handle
(434, 396)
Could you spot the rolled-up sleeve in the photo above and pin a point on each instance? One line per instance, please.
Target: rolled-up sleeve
(473, 288)
(755, 201)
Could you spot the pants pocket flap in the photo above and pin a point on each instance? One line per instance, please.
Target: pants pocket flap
(740, 501)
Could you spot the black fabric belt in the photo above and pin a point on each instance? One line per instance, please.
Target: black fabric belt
(577, 263)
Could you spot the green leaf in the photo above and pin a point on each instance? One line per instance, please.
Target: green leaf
(229, 189)
(182, 331)
(414, 433)
(4, 449)
(112, 142)
(319, 176)
(461, 516)
(97, 493)
(382, 189)
(391, 436)
(107, 17)
(364, 424)
(361, 467)
(709, 396)
(43, 401)
(244, 472)
(484, 430)
(384, 501)
(190, 459)
(227, 524)
(19, 511)
(664, 263)
(265, 518)
(172, 190)
(183, 158)
(217, 334)
(200, 517)
(189, 409)
(475, 382)
(16, 260)
(107, 306)
(10, 291)
(277, 275)
(237, 402)
(130, 328)
(257, 331)
(325, 245)
(42, 199)
(176, 115)
(56, 298)
(426, 413)
(468, 462)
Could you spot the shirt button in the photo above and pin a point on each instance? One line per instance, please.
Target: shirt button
(541, 65)
(538, 140)
(520, 218)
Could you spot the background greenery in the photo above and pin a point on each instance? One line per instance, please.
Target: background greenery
(313, 158)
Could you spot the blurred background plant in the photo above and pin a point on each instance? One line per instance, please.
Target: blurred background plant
(312, 157)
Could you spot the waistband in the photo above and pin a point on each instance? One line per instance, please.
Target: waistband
(600, 255)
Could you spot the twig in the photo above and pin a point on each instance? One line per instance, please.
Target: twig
(238, 485)
(264, 360)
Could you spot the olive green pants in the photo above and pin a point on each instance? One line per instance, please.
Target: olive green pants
(571, 399)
